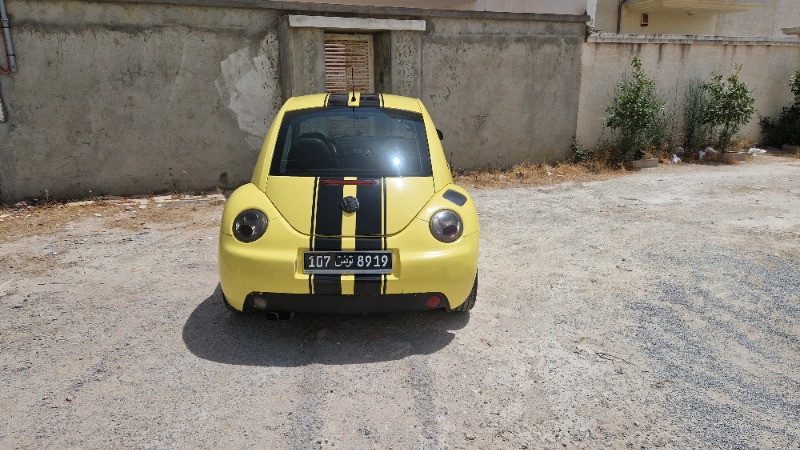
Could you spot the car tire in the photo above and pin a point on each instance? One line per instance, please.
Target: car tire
(469, 303)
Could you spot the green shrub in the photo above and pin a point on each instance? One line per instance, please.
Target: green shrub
(786, 128)
(696, 130)
(579, 153)
(730, 106)
(634, 114)
(794, 85)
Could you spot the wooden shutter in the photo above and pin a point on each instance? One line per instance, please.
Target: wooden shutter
(348, 63)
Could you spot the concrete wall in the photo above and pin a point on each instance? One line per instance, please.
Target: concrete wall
(502, 92)
(135, 98)
(396, 49)
(675, 62)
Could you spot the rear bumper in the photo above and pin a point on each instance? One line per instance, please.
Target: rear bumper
(345, 304)
(270, 267)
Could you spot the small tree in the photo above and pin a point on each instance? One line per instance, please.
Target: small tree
(730, 106)
(786, 128)
(634, 113)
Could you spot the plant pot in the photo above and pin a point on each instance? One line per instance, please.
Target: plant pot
(733, 157)
(639, 164)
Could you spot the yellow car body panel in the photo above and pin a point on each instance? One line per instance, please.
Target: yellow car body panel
(305, 213)
(400, 102)
(295, 196)
(429, 265)
(270, 264)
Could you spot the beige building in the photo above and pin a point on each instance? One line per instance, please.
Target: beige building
(742, 18)
(680, 42)
(732, 18)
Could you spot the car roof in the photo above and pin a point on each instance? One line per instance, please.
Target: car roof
(353, 99)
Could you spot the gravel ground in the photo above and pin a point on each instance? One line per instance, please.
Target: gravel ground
(658, 309)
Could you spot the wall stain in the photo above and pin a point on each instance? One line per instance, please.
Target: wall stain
(250, 89)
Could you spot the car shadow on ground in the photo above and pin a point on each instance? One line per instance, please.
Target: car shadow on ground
(214, 333)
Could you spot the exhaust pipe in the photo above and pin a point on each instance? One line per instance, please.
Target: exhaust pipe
(261, 304)
(272, 315)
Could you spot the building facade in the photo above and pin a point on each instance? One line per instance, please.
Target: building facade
(142, 96)
(132, 97)
(729, 18)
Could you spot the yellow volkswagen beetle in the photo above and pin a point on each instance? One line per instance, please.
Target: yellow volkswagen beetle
(351, 209)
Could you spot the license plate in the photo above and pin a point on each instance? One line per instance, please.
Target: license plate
(373, 262)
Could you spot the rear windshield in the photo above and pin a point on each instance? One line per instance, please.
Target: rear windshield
(352, 142)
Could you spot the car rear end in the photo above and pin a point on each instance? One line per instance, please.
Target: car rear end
(351, 209)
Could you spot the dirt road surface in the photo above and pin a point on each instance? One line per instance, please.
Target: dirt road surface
(657, 309)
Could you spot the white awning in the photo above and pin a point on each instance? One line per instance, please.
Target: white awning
(355, 23)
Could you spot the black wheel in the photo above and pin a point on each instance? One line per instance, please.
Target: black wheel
(469, 303)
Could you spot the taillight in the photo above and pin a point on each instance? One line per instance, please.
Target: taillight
(446, 225)
(250, 225)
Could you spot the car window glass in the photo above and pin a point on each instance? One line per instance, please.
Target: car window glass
(352, 142)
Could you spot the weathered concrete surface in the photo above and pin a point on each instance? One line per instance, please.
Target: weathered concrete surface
(765, 68)
(502, 92)
(302, 60)
(398, 62)
(132, 97)
(406, 70)
(118, 99)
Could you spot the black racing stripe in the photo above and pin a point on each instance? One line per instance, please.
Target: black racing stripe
(328, 232)
(373, 100)
(338, 100)
(311, 231)
(327, 284)
(368, 223)
(328, 243)
(368, 285)
(370, 210)
(329, 212)
(385, 200)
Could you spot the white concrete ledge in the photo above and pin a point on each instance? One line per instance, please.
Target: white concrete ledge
(354, 23)
(685, 39)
